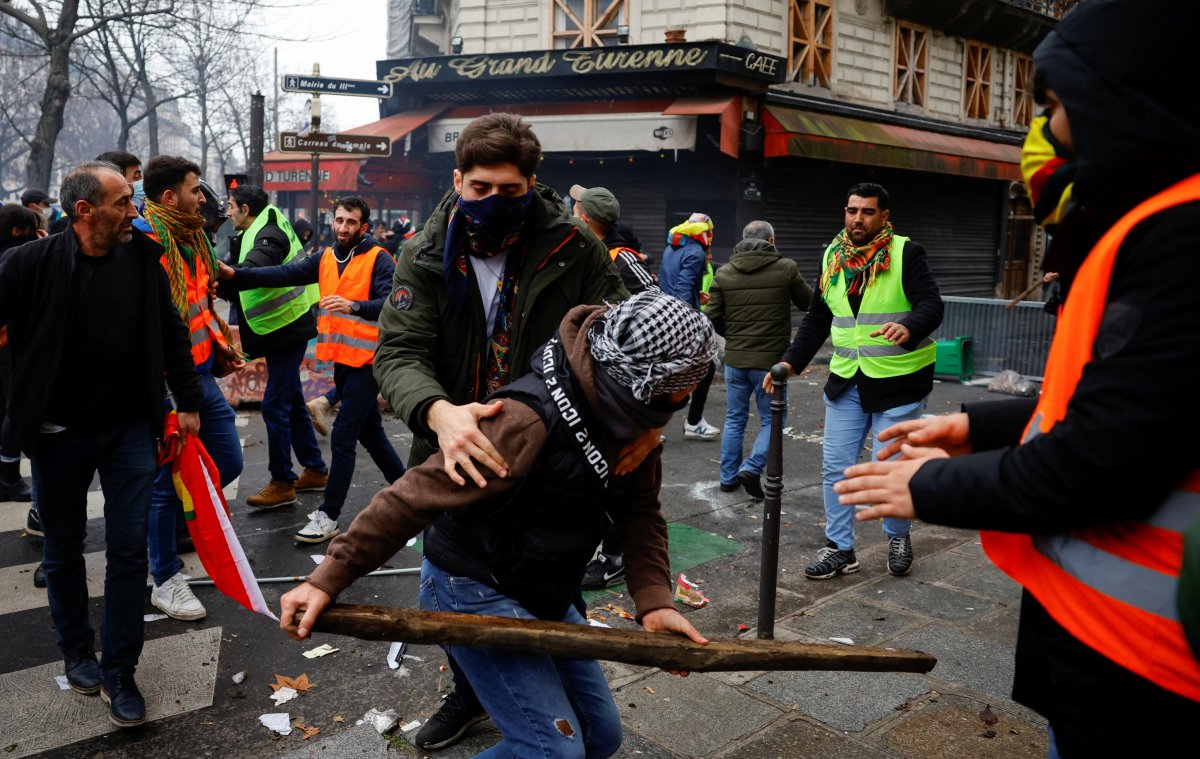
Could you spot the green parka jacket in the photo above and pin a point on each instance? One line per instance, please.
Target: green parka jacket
(427, 353)
(750, 302)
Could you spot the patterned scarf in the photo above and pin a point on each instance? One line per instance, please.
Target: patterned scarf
(182, 237)
(861, 265)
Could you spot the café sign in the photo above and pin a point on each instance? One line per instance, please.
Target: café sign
(586, 62)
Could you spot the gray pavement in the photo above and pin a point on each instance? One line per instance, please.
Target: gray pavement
(955, 605)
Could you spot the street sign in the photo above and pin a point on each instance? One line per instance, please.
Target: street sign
(329, 143)
(323, 85)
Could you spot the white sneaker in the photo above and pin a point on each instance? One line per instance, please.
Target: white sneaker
(319, 528)
(175, 599)
(701, 430)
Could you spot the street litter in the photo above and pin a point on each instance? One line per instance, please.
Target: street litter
(283, 695)
(322, 650)
(279, 722)
(383, 722)
(742, 627)
(619, 611)
(62, 682)
(689, 593)
(317, 559)
(395, 654)
(596, 623)
(847, 641)
(410, 726)
(411, 542)
(239, 677)
(153, 617)
(1012, 383)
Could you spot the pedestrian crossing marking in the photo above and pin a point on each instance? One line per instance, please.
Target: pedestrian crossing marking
(13, 513)
(176, 674)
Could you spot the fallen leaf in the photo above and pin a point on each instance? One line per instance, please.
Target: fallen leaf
(300, 684)
(649, 689)
(987, 716)
(619, 611)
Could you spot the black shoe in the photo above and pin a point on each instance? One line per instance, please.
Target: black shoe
(729, 487)
(900, 556)
(183, 544)
(831, 562)
(752, 483)
(33, 523)
(126, 707)
(12, 485)
(449, 724)
(602, 571)
(82, 670)
(39, 577)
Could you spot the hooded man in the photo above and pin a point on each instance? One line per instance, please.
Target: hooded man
(609, 375)
(1088, 489)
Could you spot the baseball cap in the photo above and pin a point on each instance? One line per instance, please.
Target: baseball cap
(598, 202)
(36, 196)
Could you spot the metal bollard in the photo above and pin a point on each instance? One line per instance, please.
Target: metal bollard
(768, 573)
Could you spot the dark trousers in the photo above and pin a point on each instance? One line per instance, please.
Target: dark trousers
(9, 449)
(289, 427)
(700, 397)
(358, 421)
(64, 464)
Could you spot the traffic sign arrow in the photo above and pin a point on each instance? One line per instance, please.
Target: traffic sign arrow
(370, 88)
(329, 143)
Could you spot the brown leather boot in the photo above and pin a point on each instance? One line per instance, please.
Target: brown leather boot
(276, 493)
(310, 481)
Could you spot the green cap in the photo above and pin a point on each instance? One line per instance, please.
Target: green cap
(598, 203)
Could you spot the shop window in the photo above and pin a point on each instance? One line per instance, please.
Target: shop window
(978, 81)
(912, 56)
(1023, 103)
(588, 23)
(810, 50)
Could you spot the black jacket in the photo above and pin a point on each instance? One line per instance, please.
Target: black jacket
(35, 284)
(271, 247)
(1129, 432)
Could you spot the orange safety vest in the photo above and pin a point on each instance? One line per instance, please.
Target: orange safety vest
(202, 324)
(1112, 586)
(346, 338)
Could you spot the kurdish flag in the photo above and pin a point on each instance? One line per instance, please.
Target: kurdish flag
(198, 485)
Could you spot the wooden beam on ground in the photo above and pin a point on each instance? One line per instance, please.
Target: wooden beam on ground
(572, 641)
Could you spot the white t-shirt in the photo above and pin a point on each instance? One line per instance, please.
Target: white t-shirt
(489, 273)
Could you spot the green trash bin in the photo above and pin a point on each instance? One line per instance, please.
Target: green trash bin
(955, 359)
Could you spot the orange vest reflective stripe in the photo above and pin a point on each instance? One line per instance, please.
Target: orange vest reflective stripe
(1113, 586)
(346, 338)
(202, 324)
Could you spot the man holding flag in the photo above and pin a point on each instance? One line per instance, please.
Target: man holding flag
(277, 323)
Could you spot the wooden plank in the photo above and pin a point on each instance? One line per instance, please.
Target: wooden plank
(572, 641)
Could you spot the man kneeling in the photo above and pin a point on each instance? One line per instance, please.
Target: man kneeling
(518, 547)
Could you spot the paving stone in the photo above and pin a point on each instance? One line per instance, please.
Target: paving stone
(965, 660)
(861, 621)
(950, 728)
(843, 700)
(799, 738)
(923, 597)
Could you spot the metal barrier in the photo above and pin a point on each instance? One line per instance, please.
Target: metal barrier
(1016, 338)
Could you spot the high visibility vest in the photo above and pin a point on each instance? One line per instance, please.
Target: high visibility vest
(883, 301)
(1112, 586)
(346, 338)
(269, 308)
(201, 322)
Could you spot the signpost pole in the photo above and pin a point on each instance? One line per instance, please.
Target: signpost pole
(315, 171)
(255, 169)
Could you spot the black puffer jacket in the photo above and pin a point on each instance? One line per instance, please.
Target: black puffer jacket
(750, 303)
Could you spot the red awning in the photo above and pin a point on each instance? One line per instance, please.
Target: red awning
(729, 109)
(293, 173)
(400, 125)
(838, 138)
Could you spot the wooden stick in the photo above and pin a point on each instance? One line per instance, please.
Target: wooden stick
(1021, 297)
(573, 641)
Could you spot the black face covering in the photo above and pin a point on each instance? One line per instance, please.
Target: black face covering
(626, 417)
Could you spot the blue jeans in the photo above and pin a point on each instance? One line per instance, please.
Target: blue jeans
(63, 466)
(528, 696)
(740, 384)
(219, 434)
(289, 427)
(846, 428)
(358, 421)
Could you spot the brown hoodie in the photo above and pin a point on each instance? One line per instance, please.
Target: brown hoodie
(402, 510)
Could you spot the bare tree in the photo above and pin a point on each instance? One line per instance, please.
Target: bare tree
(58, 26)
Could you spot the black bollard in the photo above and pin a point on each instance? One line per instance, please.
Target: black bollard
(768, 573)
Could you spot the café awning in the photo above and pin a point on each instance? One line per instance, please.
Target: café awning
(806, 134)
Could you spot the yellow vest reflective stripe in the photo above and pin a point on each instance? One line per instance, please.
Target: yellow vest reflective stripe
(346, 338)
(884, 301)
(269, 308)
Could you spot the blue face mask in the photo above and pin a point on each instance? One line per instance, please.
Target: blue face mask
(139, 194)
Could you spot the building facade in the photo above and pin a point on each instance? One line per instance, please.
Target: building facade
(750, 109)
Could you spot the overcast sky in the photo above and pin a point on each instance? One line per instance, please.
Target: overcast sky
(346, 37)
